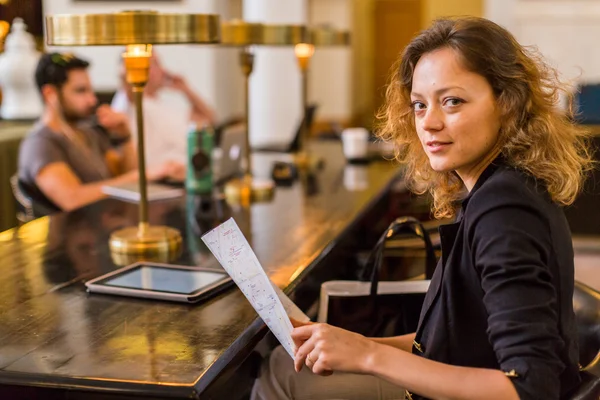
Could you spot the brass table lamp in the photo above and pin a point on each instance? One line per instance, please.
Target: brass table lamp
(138, 30)
(317, 37)
(247, 35)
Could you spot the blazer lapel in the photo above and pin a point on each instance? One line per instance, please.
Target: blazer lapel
(448, 235)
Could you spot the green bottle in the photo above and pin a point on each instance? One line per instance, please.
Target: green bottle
(199, 177)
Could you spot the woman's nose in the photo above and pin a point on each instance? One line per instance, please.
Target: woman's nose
(432, 120)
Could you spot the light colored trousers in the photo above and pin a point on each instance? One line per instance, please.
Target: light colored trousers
(279, 381)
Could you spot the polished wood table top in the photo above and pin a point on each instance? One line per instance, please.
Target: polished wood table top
(53, 333)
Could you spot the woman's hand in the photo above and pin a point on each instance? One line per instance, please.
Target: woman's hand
(298, 324)
(325, 349)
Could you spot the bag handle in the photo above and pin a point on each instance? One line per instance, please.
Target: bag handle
(401, 225)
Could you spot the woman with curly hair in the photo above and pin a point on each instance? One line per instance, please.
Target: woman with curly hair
(477, 123)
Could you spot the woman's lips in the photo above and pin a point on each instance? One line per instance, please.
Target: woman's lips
(436, 146)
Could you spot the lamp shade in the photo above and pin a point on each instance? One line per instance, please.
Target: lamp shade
(325, 36)
(131, 27)
(241, 33)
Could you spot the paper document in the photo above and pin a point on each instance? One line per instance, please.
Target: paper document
(231, 249)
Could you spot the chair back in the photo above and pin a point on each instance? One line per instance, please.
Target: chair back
(589, 388)
(30, 200)
(586, 303)
(23, 203)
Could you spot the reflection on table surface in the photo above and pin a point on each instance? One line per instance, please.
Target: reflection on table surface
(49, 325)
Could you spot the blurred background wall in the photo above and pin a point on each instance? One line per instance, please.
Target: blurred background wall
(346, 83)
(213, 71)
(565, 32)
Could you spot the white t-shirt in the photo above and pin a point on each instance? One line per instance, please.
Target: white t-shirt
(165, 127)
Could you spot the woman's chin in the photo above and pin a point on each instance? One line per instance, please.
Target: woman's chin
(440, 165)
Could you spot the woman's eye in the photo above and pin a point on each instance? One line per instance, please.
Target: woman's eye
(418, 106)
(453, 102)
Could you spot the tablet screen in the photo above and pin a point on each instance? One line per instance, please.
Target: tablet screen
(169, 280)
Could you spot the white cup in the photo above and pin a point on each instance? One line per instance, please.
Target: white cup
(356, 178)
(355, 143)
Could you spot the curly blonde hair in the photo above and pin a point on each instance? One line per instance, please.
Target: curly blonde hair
(536, 136)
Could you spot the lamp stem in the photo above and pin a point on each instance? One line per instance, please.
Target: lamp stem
(304, 129)
(138, 92)
(247, 64)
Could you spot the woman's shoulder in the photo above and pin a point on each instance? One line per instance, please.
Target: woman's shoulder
(507, 188)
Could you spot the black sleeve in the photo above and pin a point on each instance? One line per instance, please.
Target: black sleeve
(512, 247)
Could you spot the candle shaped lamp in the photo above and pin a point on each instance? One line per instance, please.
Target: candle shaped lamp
(144, 241)
(137, 30)
(248, 36)
(317, 37)
(304, 53)
(245, 35)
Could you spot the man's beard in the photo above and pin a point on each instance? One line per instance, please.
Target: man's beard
(72, 116)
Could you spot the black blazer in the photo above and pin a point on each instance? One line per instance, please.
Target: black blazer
(502, 294)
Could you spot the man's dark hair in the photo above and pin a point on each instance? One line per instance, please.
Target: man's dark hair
(53, 69)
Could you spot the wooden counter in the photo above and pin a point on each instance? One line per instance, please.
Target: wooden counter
(58, 341)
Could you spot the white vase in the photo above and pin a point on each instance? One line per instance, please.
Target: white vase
(20, 95)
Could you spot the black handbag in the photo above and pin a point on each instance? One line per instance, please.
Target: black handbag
(379, 309)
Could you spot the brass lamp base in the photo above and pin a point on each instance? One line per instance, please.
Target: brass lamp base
(248, 190)
(308, 162)
(154, 243)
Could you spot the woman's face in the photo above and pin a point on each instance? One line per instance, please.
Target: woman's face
(455, 115)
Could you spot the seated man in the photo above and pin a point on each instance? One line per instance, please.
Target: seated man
(165, 124)
(68, 155)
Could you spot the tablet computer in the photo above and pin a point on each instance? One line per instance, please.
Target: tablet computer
(162, 282)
